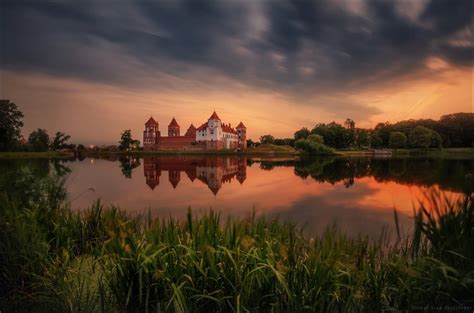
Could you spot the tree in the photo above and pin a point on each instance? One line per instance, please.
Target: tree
(59, 141)
(316, 138)
(420, 137)
(313, 145)
(267, 139)
(436, 140)
(375, 140)
(10, 125)
(397, 140)
(39, 140)
(303, 133)
(250, 143)
(362, 138)
(125, 140)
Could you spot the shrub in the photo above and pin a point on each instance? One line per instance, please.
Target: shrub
(397, 140)
(420, 137)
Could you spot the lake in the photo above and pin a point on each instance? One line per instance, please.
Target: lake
(358, 194)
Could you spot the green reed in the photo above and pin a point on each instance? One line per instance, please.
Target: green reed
(104, 260)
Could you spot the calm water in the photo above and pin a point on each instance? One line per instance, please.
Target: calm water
(359, 194)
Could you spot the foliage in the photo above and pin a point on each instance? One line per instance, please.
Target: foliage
(105, 260)
(39, 140)
(397, 140)
(303, 133)
(284, 142)
(335, 135)
(10, 125)
(362, 138)
(59, 141)
(127, 142)
(267, 139)
(375, 140)
(420, 137)
(436, 140)
(313, 145)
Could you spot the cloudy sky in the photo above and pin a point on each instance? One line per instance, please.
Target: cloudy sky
(95, 68)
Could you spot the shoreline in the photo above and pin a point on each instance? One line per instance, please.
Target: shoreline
(446, 152)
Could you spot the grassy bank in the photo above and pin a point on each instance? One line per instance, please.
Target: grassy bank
(33, 155)
(443, 153)
(105, 260)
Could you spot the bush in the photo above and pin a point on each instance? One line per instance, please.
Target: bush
(313, 145)
(420, 137)
(397, 140)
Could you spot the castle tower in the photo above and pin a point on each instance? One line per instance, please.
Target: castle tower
(173, 128)
(151, 133)
(191, 132)
(242, 135)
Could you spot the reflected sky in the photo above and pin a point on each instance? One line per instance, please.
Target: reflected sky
(359, 195)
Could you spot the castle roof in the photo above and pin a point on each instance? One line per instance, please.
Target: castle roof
(241, 125)
(226, 128)
(214, 116)
(203, 126)
(151, 121)
(173, 123)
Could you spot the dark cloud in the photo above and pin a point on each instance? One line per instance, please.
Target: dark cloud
(294, 47)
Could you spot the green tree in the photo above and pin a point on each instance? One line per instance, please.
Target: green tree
(303, 133)
(10, 125)
(375, 140)
(39, 140)
(397, 140)
(250, 143)
(362, 138)
(126, 140)
(59, 141)
(420, 137)
(313, 145)
(267, 139)
(436, 140)
(316, 138)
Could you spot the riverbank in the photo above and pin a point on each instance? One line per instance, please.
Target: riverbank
(267, 150)
(35, 155)
(106, 260)
(445, 152)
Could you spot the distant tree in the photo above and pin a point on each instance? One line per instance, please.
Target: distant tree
(250, 143)
(397, 140)
(316, 138)
(436, 140)
(39, 140)
(267, 139)
(10, 125)
(375, 140)
(126, 140)
(420, 137)
(81, 147)
(362, 138)
(59, 141)
(349, 123)
(334, 134)
(303, 133)
(284, 142)
(313, 145)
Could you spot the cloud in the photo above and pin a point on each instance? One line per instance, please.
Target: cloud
(313, 53)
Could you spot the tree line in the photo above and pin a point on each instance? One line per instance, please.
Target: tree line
(452, 130)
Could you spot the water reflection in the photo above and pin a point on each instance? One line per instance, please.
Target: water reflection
(212, 171)
(358, 193)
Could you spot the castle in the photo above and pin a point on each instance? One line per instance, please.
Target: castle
(212, 135)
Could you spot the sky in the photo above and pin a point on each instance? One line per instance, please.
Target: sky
(95, 68)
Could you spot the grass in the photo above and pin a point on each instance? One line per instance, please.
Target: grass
(105, 260)
(33, 155)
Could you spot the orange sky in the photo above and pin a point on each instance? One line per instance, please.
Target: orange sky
(93, 70)
(96, 113)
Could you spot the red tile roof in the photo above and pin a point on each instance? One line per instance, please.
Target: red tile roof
(228, 129)
(241, 125)
(151, 121)
(173, 123)
(214, 116)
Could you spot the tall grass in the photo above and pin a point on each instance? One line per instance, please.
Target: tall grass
(104, 260)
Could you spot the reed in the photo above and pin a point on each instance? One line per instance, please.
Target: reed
(105, 260)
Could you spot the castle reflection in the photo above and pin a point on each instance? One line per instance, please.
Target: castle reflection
(212, 171)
